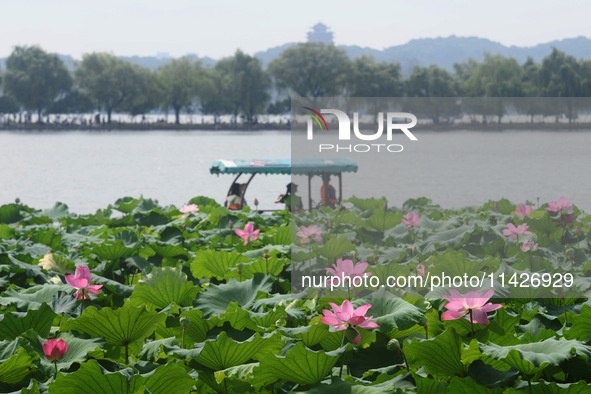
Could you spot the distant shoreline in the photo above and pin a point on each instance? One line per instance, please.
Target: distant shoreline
(505, 126)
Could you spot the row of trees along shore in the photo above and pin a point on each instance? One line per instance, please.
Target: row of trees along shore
(39, 82)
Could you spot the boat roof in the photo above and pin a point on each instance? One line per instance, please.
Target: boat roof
(284, 166)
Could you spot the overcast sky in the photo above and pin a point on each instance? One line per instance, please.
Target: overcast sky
(218, 28)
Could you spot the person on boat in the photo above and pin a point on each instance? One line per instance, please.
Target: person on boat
(234, 201)
(328, 193)
(292, 201)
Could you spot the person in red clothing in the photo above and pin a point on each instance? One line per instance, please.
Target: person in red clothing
(234, 201)
(328, 194)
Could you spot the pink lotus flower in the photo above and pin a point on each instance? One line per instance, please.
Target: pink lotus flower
(513, 232)
(421, 270)
(190, 209)
(344, 268)
(561, 205)
(309, 234)
(411, 220)
(528, 245)
(248, 234)
(523, 210)
(345, 316)
(81, 282)
(460, 305)
(55, 349)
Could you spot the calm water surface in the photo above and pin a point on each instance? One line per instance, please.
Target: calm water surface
(88, 171)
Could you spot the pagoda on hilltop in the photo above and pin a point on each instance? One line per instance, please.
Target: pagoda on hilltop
(320, 33)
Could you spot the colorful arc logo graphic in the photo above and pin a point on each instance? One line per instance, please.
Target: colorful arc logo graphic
(317, 116)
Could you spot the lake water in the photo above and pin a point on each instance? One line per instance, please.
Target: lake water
(88, 171)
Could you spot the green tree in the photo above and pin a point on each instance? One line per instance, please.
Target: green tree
(433, 81)
(532, 90)
(213, 98)
(113, 84)
(179, 81)
(561, 75)
(245, 84)
(368, 78)
(36, 79)
(73, 103)
(146, 94)
(8, 105)
(311, 69)
(496, 76)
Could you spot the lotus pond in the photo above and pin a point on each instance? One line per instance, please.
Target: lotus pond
(141, 298)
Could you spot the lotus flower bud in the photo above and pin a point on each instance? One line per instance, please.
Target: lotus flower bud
(393, 345)
(55, 349)
(185, 321)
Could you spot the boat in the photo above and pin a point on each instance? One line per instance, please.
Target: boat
(299, 167)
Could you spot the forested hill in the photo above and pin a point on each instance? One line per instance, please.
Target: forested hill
(425, 51)
(449, 50)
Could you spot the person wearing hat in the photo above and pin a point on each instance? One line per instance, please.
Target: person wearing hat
(293, 202)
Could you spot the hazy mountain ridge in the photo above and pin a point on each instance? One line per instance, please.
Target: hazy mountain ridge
(443, 51)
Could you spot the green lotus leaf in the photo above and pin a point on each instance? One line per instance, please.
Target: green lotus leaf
(273, 266)
(153, 350)
(30, 298)
(217, 297)
(10, 213)
(126, 204)
(167, 250)
(440, 356)
(14, 324)
(16, 367)
(224, 352)
(299, 365)
(217, 264)
(336, 248)
(311, 335)
(530, 358)
(367, 204)
(381, 220)
(169, 378)
(119, 327)
(6, 232)
(91, 378)
(113, 250)
(581, 326)
(338, 386)
(164, 286)
(281, 236)
(58, 211)
(391, 312)
(241, 372)
(47, 236)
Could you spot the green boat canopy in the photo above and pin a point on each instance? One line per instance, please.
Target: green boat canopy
(284, 166)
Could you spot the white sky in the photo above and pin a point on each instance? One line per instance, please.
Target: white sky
(217, 28)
